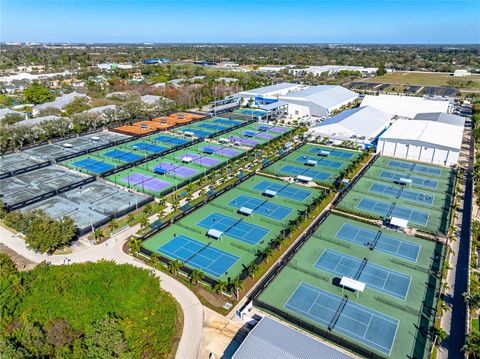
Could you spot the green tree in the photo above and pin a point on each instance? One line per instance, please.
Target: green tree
(46, 234)
(134, 244)
(99, 234)
(38, 93)
(237, 286)
(79, 104)
(113, 225)
(196, 275)
(105, 339)
(174, 266)
(220, 287)
(12, 118)
(253, 270)
(472, 345)
(440, 335)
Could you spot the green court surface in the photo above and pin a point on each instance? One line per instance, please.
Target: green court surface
(386, 317)
(243, 235)
(176, 169)
(101, 161)
(210, 126)
(254, 134)
(425, 202)
(324, 164)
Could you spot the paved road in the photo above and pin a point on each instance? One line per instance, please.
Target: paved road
(454, 321)
(112, 250)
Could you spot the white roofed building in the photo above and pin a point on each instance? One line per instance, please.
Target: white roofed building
(317, 101)
(361, 125)
(405, 106)
(60, 102)
(422, 140)
(442, 117)
(264, 94)
(332, 69)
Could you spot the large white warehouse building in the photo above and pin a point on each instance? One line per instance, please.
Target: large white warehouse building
(422, 140)
(262, 95)
(361, 125)
(317, 101)
(405, 106)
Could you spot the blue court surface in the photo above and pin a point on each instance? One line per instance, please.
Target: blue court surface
(123, 156)
(403, 193)
(379, 241)
(417, 181)
(261, 206)
(332, 152)
(393, 210)
(371, 328)
(93, 165)
(211, 126)
(320, 161)
(199, 133)
(226, 121)
(210, 260)
(145, 146)
(170, 140)
(374, 276)
(283, 190)
(296, 171)
(415, 167)
(235, 228)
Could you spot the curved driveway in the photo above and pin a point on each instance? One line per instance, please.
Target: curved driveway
(112, 250)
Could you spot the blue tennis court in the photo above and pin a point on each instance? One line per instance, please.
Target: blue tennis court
(261, 206)
(403, 193)
(226, 121)
(145, 146)
(211, 126)
(170, 140)
(235, 228)
(374, 276)
(320, 161)
(369, 327)
(415, 167)
(122, 155)
(332, 152)
(297, 171)
(93, 165)
(196, 132)
(417, 181)
(392, 210)
(210, 260)
(379, 241)
(283, 190)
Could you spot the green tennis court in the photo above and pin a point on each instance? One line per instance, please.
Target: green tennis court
(366, 325)
(387, 317)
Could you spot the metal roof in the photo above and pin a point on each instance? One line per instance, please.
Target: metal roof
(326, 96)
(404, 106)
(442, 117)
(269, 89)
(273, 340)
(361, 121)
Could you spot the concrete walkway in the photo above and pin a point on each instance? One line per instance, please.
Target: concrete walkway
(111, 249)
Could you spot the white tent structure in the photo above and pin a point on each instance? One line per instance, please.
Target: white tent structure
(405, 106)
(424, 141)
(361, 125)
(317, 101)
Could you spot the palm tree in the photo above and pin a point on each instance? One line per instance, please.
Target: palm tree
(113, 225)
(220, 287)
(130, 218)
(472, 346)
(174, 266)
(196, 276)
(154, 258)
(99, 234)
(144, 223)
(253, 269)
(267, 252)
(236, 285)
(135, 245)
(440, 335)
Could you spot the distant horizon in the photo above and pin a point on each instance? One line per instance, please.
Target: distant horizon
(385, 22)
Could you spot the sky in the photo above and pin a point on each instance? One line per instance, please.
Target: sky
(228, 21)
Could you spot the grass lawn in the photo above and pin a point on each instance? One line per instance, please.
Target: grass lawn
(475, 325)
(86, 310)
(427, 79)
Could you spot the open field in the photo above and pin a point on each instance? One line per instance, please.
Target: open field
(389, 316)
(427, 79)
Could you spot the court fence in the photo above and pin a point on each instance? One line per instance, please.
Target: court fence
(324, 333)
(47, 195)
(25, 169)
